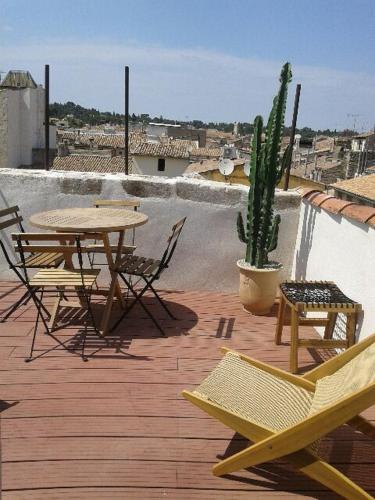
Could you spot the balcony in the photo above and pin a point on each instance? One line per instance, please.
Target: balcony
(117, 426)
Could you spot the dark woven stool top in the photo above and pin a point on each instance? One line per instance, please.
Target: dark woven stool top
(318, 292)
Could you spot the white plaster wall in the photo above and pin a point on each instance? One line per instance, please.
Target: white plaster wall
(148, 165)
(334, 248)
(14, 133)
(209, 246)
(25, 130)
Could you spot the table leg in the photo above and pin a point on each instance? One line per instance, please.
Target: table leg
(114, 286)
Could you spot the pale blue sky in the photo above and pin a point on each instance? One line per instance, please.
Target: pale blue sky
(201, 59)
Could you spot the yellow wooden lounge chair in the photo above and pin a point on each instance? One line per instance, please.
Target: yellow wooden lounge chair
(285, 415)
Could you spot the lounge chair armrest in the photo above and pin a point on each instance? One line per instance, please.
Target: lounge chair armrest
(334, 364)
(294, 379)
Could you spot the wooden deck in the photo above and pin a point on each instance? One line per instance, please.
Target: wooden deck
(117, 427)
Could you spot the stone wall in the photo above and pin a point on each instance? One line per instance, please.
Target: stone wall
(209, 246)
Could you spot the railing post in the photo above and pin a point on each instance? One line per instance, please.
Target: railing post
(292, 135)
(126, 156)
(46, 116)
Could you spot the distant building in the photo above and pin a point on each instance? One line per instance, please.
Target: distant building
(164, 160)
(155, 131)
(359, 190)
(21, 120)
(363, 142)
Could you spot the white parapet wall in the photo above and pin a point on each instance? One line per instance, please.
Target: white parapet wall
(209, 246)
(333, 247)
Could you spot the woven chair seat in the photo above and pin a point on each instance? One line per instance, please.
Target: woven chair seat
(255, 395)
(52, 259)
(317, 292)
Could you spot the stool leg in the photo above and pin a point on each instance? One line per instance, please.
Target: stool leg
(293, 360)
(351, 321)
(328, 331)
(280, 320)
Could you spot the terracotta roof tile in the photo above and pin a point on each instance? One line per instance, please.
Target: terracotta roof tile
(335, 205)
(91, 163)
(162, 150)
(320, 198)
(306, 192)
(360, 213)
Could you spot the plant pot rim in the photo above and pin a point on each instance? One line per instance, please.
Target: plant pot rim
(241, 264)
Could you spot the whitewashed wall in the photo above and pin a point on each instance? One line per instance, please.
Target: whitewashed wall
(22, 111)
(209, 247)
(333, 247)
(148, 165)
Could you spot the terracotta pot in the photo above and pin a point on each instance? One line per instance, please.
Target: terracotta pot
(258, 288)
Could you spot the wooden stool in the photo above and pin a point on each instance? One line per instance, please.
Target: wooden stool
(315, 296)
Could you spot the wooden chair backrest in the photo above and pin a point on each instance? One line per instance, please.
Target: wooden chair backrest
(10, 217)
(63, 242)
(118, 203)
(172, 242)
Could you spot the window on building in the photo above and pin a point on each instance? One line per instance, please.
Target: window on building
(161, 165)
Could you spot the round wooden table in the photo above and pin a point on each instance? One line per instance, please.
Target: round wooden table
(88, 220)
(95, 220)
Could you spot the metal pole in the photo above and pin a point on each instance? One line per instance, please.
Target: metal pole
(126, 120)
(46, 116)
(292, 134)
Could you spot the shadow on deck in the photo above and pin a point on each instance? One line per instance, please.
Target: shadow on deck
(117, 427)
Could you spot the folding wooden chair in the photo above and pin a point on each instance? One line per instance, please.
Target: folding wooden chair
(56, 281)
(149, 270)
(10, 218)
(286, 415)
(98, 248)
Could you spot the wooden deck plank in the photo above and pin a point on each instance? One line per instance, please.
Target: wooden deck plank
(117, 427)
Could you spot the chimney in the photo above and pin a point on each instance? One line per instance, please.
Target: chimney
(62, 149)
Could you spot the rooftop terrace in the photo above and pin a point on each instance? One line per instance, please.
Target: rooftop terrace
(117, 426)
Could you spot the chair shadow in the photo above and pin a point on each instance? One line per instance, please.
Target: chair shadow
(136, 325)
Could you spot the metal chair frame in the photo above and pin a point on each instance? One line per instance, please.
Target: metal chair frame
(149, 279)
(15, 219)
(22, 241)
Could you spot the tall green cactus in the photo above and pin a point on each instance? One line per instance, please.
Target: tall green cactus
(266, 170)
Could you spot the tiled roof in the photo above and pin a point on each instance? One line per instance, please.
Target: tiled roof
(101, 140)
(361, 186)
(161, 150)
(348, 209)
(91, 163)
(18, 79)
(206, 152)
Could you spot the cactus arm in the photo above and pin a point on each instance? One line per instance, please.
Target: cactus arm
(255, 191)
(273, 234)
(241, 228)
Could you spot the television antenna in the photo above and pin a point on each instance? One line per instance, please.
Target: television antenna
(354, 116)
(226, 167)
